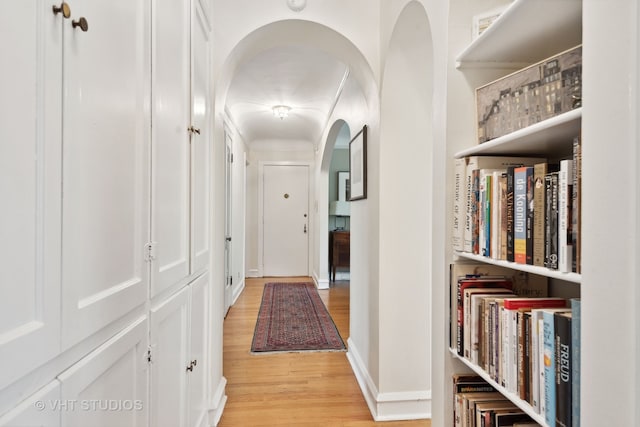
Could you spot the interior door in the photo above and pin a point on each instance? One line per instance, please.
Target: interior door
(30, 147)
(105, 119)
(286, 220)
(228, 222)
(170, 144)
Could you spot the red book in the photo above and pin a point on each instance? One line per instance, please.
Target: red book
(547, 302)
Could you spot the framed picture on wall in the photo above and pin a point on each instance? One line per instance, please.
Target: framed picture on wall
(358, 166)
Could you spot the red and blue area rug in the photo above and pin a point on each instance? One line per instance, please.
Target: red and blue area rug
(293, 318)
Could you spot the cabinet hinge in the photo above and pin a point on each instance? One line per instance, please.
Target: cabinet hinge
(150, 251)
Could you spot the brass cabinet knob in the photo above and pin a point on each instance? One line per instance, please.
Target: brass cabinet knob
(82, 23)
(193, 130)
(64, 9)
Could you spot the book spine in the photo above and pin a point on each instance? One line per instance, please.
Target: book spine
(565, 195)
(483, 197)
(536, 315)
(551, 250)
(529, 215)
(519, 216)
(475, 212)
(527, 357)
(576, 207)
(549, 369)
(539, 172)
(457, 238)
(468, 193)
(509, 213)
(502, 206)
(575, 361)
(562, 325)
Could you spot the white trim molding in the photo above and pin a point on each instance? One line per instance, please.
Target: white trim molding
(217, 403)
(393, 406)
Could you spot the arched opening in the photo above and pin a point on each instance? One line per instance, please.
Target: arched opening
(406, 160)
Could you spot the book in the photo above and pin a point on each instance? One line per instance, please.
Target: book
(539, 209)
(562, 335)
(486, 411)
(475, 163)
(485, 198)
(576, 216)
(575, 361)
(549, 369)
(529, 215)
(459, 200)
(504, 419)
(565, 195)
(551, 221)
(509, 213)
(502, 216)
(466, 383)
(520, 215)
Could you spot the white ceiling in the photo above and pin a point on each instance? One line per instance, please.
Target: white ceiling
(307, 80)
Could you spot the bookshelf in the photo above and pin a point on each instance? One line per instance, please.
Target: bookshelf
(525, 33)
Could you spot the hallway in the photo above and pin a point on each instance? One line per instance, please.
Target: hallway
(291, 389)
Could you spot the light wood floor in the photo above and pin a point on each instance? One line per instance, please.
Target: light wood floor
(291, 389)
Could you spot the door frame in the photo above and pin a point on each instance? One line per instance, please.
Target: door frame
(311, 219)
(228, 221)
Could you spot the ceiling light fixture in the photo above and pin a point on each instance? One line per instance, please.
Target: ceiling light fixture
(281, 111)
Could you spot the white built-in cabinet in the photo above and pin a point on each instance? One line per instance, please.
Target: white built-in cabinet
(180, 144)
(178, 357)
(105, 152)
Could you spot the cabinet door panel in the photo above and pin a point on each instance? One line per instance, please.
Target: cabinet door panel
(198, 354)
(30, 144)
(41, 409)
(105, 172)
(169, 343)
(201, 144)
(109, 386)
(170, 143)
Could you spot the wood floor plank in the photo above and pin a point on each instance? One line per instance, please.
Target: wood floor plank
(291, 389)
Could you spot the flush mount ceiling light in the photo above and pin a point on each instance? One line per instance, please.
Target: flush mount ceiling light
(296, 5)
(281, 111)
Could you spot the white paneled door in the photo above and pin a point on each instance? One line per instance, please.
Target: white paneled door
(200, 142)
(170, 144)
(30, 179)
(105, 206)
(285, 207)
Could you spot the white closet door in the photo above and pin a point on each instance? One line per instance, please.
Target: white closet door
(201, 143)
(197, 404)
(170, 143)
(169, 344)
(108, 387)
(30, 144)
(106, 157)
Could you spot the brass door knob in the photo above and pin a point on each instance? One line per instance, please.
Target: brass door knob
(64, 9)
(82, 23)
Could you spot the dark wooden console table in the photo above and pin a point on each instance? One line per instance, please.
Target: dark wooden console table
(339, 247)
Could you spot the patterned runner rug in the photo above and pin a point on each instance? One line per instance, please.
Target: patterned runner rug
(292, 317)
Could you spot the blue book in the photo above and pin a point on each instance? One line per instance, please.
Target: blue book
(575, 356)
(549, 348)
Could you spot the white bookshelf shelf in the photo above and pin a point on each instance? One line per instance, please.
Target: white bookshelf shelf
(525, 33)
(553, 136)
(522, 404)
(542, 271)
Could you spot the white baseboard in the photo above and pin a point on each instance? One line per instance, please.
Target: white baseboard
(320, 283)
(253, 272)
(217, 403)
(237, 292)
(395, 406)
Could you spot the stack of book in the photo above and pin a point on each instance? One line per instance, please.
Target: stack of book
(520, 209)
(478, 404)
(527, 345)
